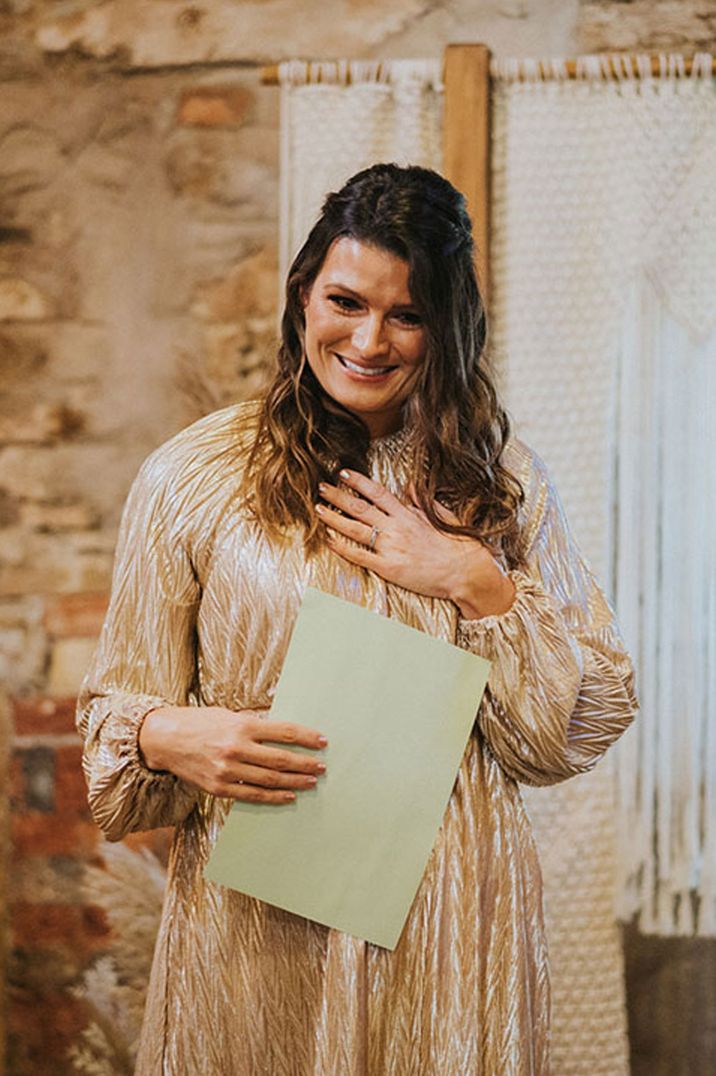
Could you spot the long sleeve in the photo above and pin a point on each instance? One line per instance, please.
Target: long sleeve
(146, 656)
(561, 688)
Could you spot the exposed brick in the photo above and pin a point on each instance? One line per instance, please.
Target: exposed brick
(47, 880)
(70, 785)
(9, 509)
(75, 615)
(59, 517)
(245, 293)
(41, 715)
(215, 106)
(35, 578)
(81, 928)
(36, 833)
(17, 783)
(38, 769)
(21, 301)
(41, 1029)
(42, 423)
(68, 664)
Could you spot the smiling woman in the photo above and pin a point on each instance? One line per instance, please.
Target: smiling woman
(365, 340)
(378, 467)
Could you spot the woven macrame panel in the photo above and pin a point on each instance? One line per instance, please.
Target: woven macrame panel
(574, 829)
(604, 327)
(596, 182)
(329, 132)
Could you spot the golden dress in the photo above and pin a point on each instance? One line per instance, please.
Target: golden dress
(201, 613)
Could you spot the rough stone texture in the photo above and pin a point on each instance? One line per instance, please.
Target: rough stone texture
(138, 289)
(647, 26)
(175, 32)
(21, 301)
(70, 659)
(215, 106)
(5, 731)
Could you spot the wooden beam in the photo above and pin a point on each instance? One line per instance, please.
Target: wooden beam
(466, 142)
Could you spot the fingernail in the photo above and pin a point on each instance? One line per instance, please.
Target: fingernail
(345, 474)
(322, 741)
(288, 796)
(310, 781)
(321, 768)
(319, 508)
(322, 486)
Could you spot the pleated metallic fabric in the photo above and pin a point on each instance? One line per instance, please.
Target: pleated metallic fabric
(201, 612)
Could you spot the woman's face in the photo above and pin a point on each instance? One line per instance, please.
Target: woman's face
(365, 341)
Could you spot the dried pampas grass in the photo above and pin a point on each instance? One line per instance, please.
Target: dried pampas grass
(130, 889)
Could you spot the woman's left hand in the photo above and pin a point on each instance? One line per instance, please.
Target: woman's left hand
(399, 543)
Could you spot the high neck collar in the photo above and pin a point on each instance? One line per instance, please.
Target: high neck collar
(391, 442)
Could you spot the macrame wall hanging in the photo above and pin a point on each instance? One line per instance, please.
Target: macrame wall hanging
(604, 318)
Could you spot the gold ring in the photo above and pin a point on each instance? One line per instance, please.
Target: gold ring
(373, 539)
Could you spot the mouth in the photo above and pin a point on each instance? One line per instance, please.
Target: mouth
(367, 372)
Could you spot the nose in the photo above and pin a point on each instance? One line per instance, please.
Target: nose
(370, 337)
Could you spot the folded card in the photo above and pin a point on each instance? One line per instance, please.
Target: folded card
(397, 707)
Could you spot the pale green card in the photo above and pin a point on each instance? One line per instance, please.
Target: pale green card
(397, 707)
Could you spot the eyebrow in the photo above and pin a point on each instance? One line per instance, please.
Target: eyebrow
(357, 295)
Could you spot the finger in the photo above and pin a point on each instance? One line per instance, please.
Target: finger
(380, 496)
(255, 794)
(443, 513)
(272, 758)
(356, 554)
(269, 778)
(353, 506)
(349, 528)
(287, 732)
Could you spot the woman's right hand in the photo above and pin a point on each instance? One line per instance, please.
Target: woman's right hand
(229, 753)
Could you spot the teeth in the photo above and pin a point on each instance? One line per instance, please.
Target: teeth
(363, 370)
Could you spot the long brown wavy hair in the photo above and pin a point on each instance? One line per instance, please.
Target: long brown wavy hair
(459, 429)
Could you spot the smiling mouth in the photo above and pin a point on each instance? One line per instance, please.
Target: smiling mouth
(365, 371)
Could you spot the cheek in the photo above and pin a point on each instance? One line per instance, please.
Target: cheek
(414, 351)
(321, 325)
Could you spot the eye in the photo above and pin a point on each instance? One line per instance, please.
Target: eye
(344, 302)
(407, 317)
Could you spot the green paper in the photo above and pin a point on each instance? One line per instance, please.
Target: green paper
(397, 707)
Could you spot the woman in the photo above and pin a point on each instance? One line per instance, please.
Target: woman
(379, 468)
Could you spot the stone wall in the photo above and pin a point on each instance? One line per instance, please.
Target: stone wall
(138, 289)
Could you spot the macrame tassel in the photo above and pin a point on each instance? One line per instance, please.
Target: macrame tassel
(665, 586)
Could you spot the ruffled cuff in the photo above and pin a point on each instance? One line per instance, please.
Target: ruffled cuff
(124, 794)
(534, 683)
(470, 632)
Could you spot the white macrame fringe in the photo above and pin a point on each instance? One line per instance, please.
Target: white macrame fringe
(666, 595)
(601, 67)
(354, 72)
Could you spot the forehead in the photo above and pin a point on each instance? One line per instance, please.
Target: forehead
(366, 269)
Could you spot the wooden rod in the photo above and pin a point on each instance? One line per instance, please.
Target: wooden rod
(269, 73)
(466, 142)
(615, 67)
